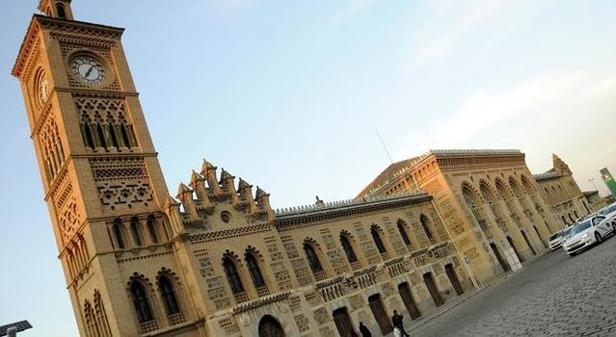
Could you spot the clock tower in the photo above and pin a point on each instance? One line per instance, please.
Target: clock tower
(102, 181)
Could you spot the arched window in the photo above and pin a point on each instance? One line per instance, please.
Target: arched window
(152, 229)
(140, 301)
(87, 135)
(313, 259)
(426, 227)
(125, 137)
(117, 231)
(168, 294)
(255, 271)
(114, 138)
(232, 275)
(101, 135)
(348, 248)
(576, 214)
(134, 228)
(403, 234)
(61, 11)
(377, 240)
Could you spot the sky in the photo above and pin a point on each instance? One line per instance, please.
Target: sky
(288, 94)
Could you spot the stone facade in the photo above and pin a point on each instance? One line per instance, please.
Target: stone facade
(559, 189)
(488, 200)
(215, 260)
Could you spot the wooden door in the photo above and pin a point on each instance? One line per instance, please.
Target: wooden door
(515, 250)
(344, 323)
(500, 258)
(378, 310)
(269, 327)
(453, 278)
(409, 302)
(433, 289)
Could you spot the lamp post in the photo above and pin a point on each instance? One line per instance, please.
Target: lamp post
(11, 330)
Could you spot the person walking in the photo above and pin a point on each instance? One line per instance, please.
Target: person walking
(397, 321)
(365, 332)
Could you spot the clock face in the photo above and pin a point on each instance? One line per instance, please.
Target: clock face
(88, 69)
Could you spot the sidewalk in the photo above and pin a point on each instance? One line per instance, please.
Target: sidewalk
(452, 304)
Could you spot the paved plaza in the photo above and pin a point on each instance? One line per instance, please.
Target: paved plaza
(554, 296)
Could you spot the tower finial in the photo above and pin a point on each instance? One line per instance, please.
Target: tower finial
(60, 9)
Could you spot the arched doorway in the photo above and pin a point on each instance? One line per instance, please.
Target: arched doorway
(269, 327)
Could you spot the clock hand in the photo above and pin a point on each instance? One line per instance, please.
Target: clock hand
(89, 71)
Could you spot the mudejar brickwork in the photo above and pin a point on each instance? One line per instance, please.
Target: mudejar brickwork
(216, 259)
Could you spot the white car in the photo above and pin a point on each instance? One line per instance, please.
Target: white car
(557, 239)
(587, 233)
(609, 212)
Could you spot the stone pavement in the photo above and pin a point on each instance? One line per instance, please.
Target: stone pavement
(554, 296)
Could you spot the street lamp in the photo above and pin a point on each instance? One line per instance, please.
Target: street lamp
(11, 330)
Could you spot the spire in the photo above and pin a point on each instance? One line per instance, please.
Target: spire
(209, 172)
(60, 9)
(228, 185)
(197, 183)
(245, 190)
(263, 201)
(172, 208)
(560, 166)
(185, 194)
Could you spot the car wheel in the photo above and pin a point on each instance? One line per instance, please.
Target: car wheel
(598, 237)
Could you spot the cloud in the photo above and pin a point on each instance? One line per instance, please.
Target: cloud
(433, 42)
(555, 98)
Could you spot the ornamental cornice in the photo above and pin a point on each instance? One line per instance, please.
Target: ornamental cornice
(227, 233)
(316, 215)
(95, 32)
(27, 46)
(260, 302)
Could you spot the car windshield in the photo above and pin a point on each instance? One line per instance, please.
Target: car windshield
(555, 236)
(580, 227)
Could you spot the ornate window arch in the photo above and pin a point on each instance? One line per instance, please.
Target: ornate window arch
(345, 241)
(167, 292)
(141, 301)
(403, 233)
(136, 231)
(425, 225)
(270, 327)
(230, 263)
(311, 256)
(61, 10)
(118, 232)
(151, 224)
(376, 232)
(251, 257)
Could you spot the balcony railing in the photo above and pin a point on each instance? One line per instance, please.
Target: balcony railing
(332, 288)
(240, 297)
(396, 267)
(148, 326)
(263, 291)
(366, 277)
(176, 318)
